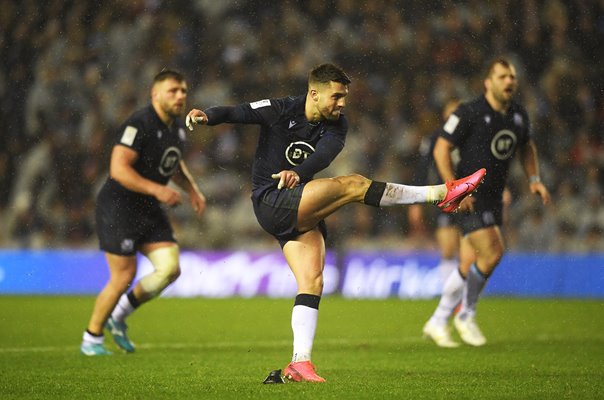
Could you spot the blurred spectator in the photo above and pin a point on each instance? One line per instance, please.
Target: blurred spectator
(72, 71)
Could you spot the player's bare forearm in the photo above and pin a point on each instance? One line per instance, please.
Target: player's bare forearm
(184, 179)
(443, 160)
(530, 162)
(134, 182)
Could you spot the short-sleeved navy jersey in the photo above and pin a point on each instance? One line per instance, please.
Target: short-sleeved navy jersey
(159, 148)
(425, 171)
(287, 140)
(487, 139)
(126, 219)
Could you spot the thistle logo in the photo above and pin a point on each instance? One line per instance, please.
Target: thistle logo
(503, 144)
(297, 152)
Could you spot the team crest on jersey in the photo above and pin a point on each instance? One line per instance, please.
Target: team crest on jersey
(518, 119)
(297, 152)
(182, 134)
(159, 134)
(487, 119)
(169, 161)
(127, 245)
(503, 144)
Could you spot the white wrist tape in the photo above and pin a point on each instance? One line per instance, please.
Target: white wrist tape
(534, 179)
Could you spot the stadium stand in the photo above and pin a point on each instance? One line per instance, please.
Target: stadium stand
(72, 70)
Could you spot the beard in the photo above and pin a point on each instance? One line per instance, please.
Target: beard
(331, 115)
(173, 111)
(503, 97)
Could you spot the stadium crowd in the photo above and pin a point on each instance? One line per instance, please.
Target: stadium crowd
(73, 70)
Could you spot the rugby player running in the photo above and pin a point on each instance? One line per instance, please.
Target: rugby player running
(130, 214)
(488, 131)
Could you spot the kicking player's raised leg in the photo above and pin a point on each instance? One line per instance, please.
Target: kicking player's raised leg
(322, 197)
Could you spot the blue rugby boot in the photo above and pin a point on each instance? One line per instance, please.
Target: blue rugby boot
(94, 349)
(118, 331)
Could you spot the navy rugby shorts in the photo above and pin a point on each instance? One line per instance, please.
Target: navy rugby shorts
(123, 227)
(277, 212)
(484, 216)
(445, 220)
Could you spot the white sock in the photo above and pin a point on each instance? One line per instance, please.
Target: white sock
(122, 309)
(304, 325)
(88, 338)
(453, 290)
(403, 194)
(446, 266)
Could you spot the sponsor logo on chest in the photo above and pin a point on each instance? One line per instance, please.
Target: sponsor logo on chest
(169, 161)
(297, 152)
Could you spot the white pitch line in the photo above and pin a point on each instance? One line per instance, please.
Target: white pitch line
(218, 345)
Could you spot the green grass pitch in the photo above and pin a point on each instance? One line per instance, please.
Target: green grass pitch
(366, 349)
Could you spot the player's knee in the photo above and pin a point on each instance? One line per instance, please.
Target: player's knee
(173, 273)
(166, 269)
(354, 183)
(355, 180)
(496, 258)
(166, 263)
(492, 258)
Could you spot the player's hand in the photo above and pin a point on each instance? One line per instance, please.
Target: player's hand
(287, 179)
(467, 205)
(168, 196)
(198, 202)
(540, 189)
(195, 117)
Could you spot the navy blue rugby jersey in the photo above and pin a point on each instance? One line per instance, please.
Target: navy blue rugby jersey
(425, 171)
(487, 138)
(287, 140)
(159, 147)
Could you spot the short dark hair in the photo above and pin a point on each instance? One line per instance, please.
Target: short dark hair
(326, 73)
(168, 74)
(499, 60)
